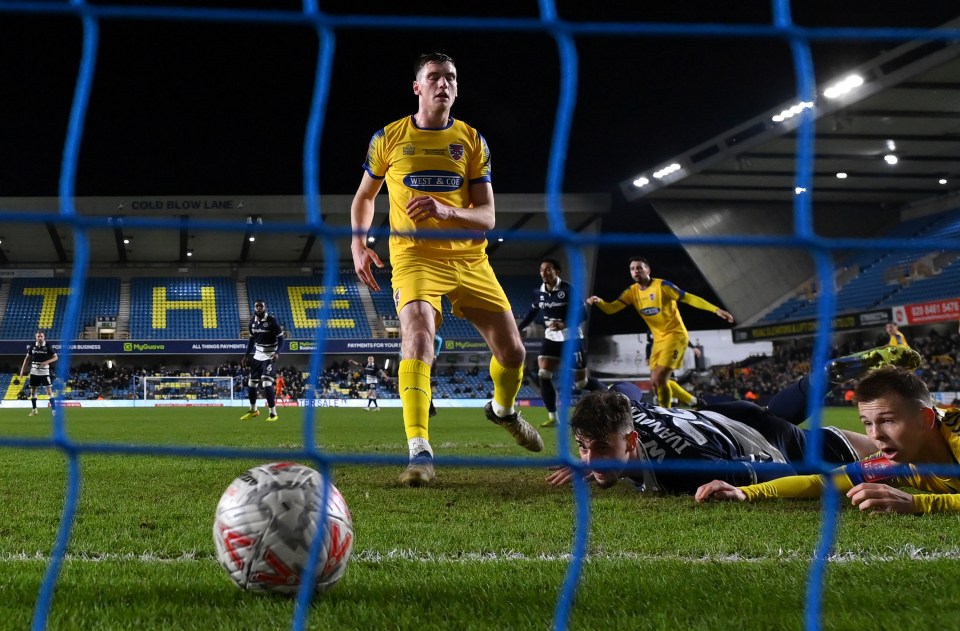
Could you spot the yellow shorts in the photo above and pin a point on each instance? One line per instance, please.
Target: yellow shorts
(468, 283)
(668, 352)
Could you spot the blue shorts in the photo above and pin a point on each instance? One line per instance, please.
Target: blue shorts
(263, 371)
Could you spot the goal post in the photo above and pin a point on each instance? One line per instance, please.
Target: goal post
(187, 388)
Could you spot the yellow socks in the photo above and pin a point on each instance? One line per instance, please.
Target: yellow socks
(673, 390)
(506, 385)
(413, 377)
(677, 392)
(664, 396)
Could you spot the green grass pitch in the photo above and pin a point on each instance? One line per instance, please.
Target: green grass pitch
(484, 548)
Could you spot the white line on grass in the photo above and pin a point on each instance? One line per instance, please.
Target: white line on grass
(508, 556)
(907, 552)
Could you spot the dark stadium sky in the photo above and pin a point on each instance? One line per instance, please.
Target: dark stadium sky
(192, 108)
(214, 108)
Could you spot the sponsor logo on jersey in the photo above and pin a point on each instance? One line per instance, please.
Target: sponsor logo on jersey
(877, 469)
(456, 151)
(650, 311)
(409, 150)
(434, 181)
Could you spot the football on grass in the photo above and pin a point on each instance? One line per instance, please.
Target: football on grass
(266, 521)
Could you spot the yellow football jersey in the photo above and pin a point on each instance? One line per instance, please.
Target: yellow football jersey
(442, 163)
(657, 305)
(943, 491)
(898, 339)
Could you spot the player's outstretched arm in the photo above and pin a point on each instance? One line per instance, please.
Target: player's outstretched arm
(607, 307)
(700, 303)
(726, 315)
(719, 490)
(361, 217)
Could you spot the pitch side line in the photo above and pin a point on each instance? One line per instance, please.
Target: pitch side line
(508, 556)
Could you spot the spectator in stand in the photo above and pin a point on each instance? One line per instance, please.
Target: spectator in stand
(896, 337)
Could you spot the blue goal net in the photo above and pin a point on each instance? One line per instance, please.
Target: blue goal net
(565, 37)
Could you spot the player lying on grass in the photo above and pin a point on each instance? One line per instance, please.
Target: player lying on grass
(617, 427)
(899, 416)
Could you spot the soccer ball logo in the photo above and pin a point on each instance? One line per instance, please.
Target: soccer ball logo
(266, 521)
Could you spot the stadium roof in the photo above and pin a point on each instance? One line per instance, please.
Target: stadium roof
(907, 107)
(123, 231)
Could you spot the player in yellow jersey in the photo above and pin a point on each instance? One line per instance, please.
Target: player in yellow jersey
(437, 171)
(656, 301)
(899, 416)
(896, 337)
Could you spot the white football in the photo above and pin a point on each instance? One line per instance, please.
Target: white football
(267, 519)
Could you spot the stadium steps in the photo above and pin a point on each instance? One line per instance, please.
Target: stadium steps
(123, 314)
(243, 308)
(4, 299)
(11, 391)
(370, 311)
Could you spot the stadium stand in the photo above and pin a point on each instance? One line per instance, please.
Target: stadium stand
(454, 327)
(205, 308)
(471, 384)
(40, 303)
(295, 301)
(884, 279)
(383, 299)
(519, 290)
(170, 308)
(945, 284)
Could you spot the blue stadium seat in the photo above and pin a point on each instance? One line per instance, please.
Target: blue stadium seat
(878, 283)
(42, 303)
(181, 311)
(299, 309)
